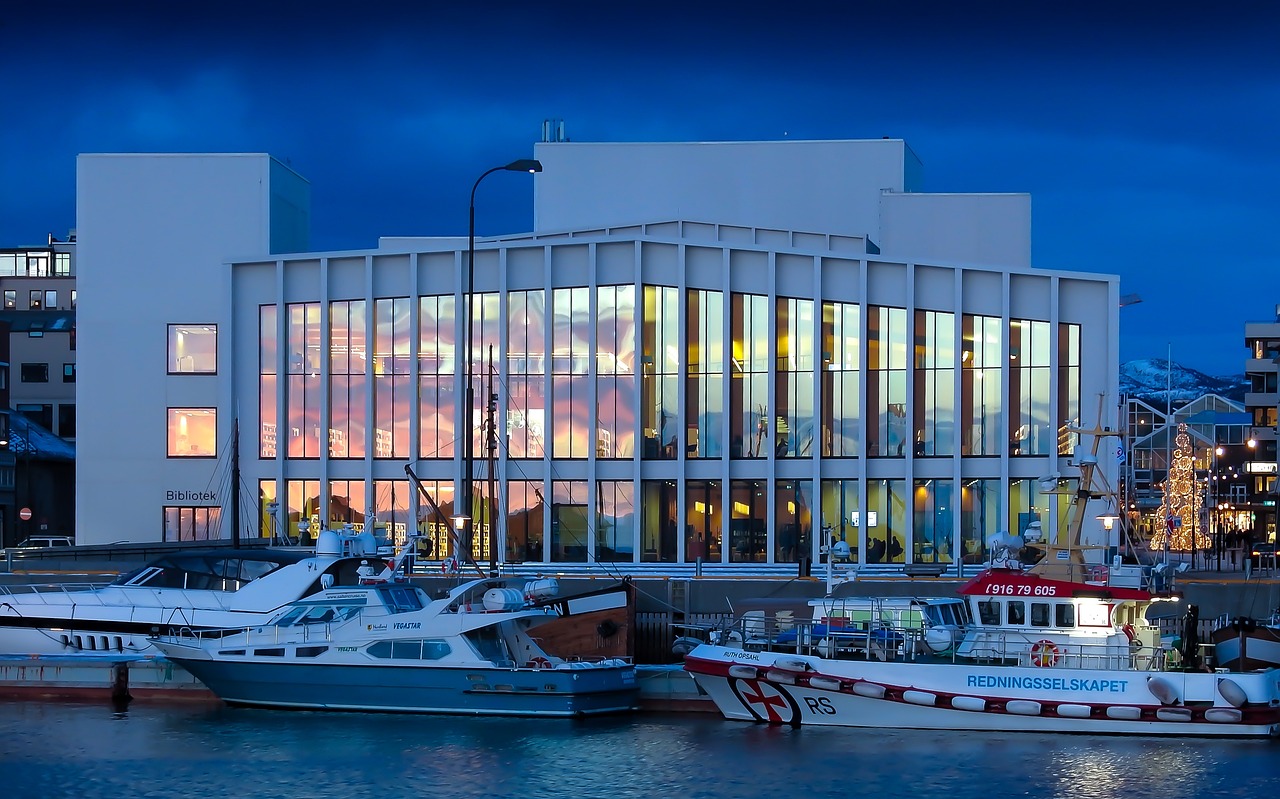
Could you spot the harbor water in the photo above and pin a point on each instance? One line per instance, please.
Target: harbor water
(57, 749)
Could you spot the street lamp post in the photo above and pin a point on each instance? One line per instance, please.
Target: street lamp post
(523, 165)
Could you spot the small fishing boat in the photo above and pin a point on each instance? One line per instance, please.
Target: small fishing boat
(1244, 643)
(386, 645)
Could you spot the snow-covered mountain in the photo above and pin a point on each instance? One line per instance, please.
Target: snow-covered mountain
(1150, 378)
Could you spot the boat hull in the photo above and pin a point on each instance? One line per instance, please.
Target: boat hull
(1261, 648)
(958, 696)
(482, 690)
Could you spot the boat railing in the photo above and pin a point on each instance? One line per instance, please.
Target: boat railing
(46, 593)
(885, 641)
(263, 635)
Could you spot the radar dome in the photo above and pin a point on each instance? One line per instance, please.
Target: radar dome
(329, 543)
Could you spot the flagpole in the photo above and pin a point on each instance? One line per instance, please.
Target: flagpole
(1168, 454)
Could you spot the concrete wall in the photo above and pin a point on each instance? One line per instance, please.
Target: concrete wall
(821, 186)
(154, 233)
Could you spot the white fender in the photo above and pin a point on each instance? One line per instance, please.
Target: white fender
(1124, 713)
(1173, 714)
(1228, 715)
(791, 664)
(969, 703)
(824, 683)
(777, 675)
(1163, 690)
(1073, 711)
(869, 689)
(920, 698)
(1232, 692)
(1023, 707)
(743, 672)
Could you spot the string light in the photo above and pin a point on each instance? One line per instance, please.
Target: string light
(1182, 499)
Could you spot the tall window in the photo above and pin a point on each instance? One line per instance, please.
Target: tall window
(704, 512)
(193, 349)
(1068, 386)
(981, 432)
(392, 510)
(302, 504)
(793, 512)
(391, 378)
(793, 435)
(303, 390)
(935, 384)
(616, 398)
(886, 521)
(347, 505)
(437, 366)
(193, 432)
(658, 521)
(192, 523)
(841, 519)
(979, 518)
(748, 523)
(841, 362)
(886, 381)
(615, 522)
(704, 389)
(526, 375)
(435, 527)
(569, 521)
(487, 325)
(570, 380)
(660, 358)
(932, 515)
(749, 389)
(348, 354)
(524, 522)
(1029, 346)
(267, 381)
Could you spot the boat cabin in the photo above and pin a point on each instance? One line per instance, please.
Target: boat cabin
(1025, 618)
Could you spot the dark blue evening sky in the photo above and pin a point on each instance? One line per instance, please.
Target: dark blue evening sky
(1147, 136)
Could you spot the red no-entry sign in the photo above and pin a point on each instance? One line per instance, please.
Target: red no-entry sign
(25, 514)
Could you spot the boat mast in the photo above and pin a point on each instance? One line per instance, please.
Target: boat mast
(491, 440)
(235, 484)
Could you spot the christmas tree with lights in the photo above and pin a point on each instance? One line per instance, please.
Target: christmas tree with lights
(1180, 506)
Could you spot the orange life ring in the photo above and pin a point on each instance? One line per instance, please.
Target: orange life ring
(539, 663)
(1044, 653)
(1129, 632)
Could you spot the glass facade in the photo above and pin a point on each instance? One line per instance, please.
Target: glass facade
(764, 374)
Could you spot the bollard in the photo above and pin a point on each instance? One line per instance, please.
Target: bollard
(120, 697)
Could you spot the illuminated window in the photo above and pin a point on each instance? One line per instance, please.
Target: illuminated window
(193, 432)
(193, 349)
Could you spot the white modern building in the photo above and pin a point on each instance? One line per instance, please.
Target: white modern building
(733, 352)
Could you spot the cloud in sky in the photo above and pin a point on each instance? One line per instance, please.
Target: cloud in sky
(1145, 135)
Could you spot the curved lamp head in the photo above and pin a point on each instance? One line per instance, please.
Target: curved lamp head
(524, 165)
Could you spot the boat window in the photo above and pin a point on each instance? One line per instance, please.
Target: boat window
(406, 650)
(1066, 615)
(290, 616)
(253, 569)
(1017, 612)
(402, 599)
(318, 615)
(274, 652)
(1040, 614)
(1094, 615)
(989, 612)
(434, 650)
(311, 651)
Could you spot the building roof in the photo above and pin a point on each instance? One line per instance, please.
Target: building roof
(30, 440)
